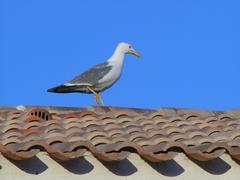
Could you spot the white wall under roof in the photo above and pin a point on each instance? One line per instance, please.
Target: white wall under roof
(43, 167)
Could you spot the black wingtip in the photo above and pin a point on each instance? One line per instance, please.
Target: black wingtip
(51, 90)
(62, 89)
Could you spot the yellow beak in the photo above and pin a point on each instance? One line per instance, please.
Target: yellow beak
(136, 54)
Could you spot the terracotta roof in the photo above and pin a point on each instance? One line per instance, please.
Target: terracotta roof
(113, 133)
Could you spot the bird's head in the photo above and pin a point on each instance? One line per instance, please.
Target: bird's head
(128, 49)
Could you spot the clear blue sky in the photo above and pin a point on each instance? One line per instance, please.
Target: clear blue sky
(190, 51)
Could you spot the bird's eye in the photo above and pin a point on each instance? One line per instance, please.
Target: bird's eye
(130, 47)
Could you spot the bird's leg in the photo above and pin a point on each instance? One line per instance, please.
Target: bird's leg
(98, 98)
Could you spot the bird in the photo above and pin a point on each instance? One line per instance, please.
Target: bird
(100, 77)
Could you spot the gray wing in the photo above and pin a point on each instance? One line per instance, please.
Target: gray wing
(91, 76)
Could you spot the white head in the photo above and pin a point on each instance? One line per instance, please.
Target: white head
(127, 49)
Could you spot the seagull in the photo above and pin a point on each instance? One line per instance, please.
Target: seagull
(100, 77)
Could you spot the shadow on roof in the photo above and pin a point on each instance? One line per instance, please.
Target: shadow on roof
(215, 166)
(167, 168)
(77, 166)
(120, 168)
(31, 166)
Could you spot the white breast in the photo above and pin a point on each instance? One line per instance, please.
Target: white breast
(116, 62)
(113, 74)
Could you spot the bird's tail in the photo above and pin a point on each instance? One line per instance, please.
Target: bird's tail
(63, 89)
